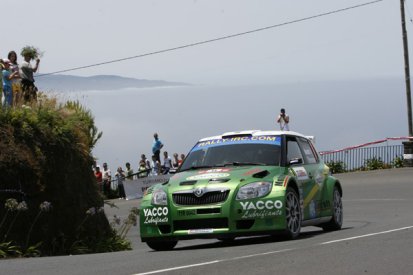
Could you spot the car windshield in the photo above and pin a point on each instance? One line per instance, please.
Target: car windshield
(237, 151)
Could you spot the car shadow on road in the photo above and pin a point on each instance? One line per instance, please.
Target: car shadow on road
(245, 241)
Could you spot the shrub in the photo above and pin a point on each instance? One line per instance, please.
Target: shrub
(336, 167)
(397, 162)
(374, 164)
(46, 156)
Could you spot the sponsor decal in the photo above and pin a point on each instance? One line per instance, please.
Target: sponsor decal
(254, 214)
(201, 231)
(261, 205)
(301, 173)
(219, 170)
(155, 215)
(276, 140)
(184, 213)
(208, 176)
(155, 220)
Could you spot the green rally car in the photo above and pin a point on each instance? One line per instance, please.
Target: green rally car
(241, 184)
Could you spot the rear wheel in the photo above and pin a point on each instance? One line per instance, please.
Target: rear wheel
(162, 245)
(337, 220)
(292, 214)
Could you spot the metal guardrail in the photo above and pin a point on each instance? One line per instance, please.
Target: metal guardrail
(354, 159)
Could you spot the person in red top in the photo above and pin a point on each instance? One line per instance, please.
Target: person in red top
(98, 176)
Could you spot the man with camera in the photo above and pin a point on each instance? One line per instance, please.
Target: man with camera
(283, 119)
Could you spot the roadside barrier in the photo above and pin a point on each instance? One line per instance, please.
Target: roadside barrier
(360, 156)
(365, 144)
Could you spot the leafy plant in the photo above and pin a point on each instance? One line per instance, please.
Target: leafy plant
(33, 251)
(374, 164)
(397, 162)
(336, 167)
(9, 249)
(32, 52)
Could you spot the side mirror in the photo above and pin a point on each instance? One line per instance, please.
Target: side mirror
(296, 161)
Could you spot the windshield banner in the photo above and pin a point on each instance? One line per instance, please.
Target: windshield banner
(274, 140)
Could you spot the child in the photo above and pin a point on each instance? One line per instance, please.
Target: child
(7, 88)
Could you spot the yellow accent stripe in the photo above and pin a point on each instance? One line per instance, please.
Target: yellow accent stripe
(310, 195)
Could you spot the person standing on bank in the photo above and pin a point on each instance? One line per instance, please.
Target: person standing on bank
(27, 81)
(284, 120)
(156, 147)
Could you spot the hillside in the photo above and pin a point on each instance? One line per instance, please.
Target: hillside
(63, 83)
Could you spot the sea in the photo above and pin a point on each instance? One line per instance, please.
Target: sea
(338, 114)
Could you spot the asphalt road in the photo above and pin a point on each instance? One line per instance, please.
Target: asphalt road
(377, 238)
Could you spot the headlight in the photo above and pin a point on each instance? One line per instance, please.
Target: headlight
(254, 190)
(159, 197)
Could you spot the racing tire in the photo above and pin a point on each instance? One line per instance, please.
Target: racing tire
(162, 245)
(292, 214)
(337, 220)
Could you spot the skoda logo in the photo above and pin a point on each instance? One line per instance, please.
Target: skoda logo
(199, 192)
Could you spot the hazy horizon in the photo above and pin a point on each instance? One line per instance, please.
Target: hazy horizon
(337, 113)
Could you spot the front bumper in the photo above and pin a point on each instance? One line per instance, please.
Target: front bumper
(223, 220)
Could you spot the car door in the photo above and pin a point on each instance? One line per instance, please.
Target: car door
(315, 171)
(303, 172)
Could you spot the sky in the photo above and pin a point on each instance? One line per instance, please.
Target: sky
(361, 42)
(274, 68)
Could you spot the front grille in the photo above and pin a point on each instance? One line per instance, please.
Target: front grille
(201, 224)
(207, 198)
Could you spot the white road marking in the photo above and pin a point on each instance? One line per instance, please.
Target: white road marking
(270, 252)
(212, 262)
(176, 268)
(369, 235)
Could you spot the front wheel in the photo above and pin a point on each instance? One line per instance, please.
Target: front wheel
(337, 220)
(292, 214)
(162, 245)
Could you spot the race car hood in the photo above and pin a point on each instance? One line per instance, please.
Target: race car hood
(229, 177)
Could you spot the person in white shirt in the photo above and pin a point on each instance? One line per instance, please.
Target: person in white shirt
(167, 163)
(284, 120)
(106, 177)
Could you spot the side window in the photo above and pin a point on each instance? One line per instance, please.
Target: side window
(309, 155)
(293, 150)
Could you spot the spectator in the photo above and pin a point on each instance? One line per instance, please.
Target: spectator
(167, 163)
(129, 171)
(156, 147)
(106, 177)
(182, 158)
(146, 162)
(284, 120)
(143, 170)
(177, 162)
(156, 166)
(15, 82)
(29, 90)
(98, 175)
(120, 176)
(7, 84)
